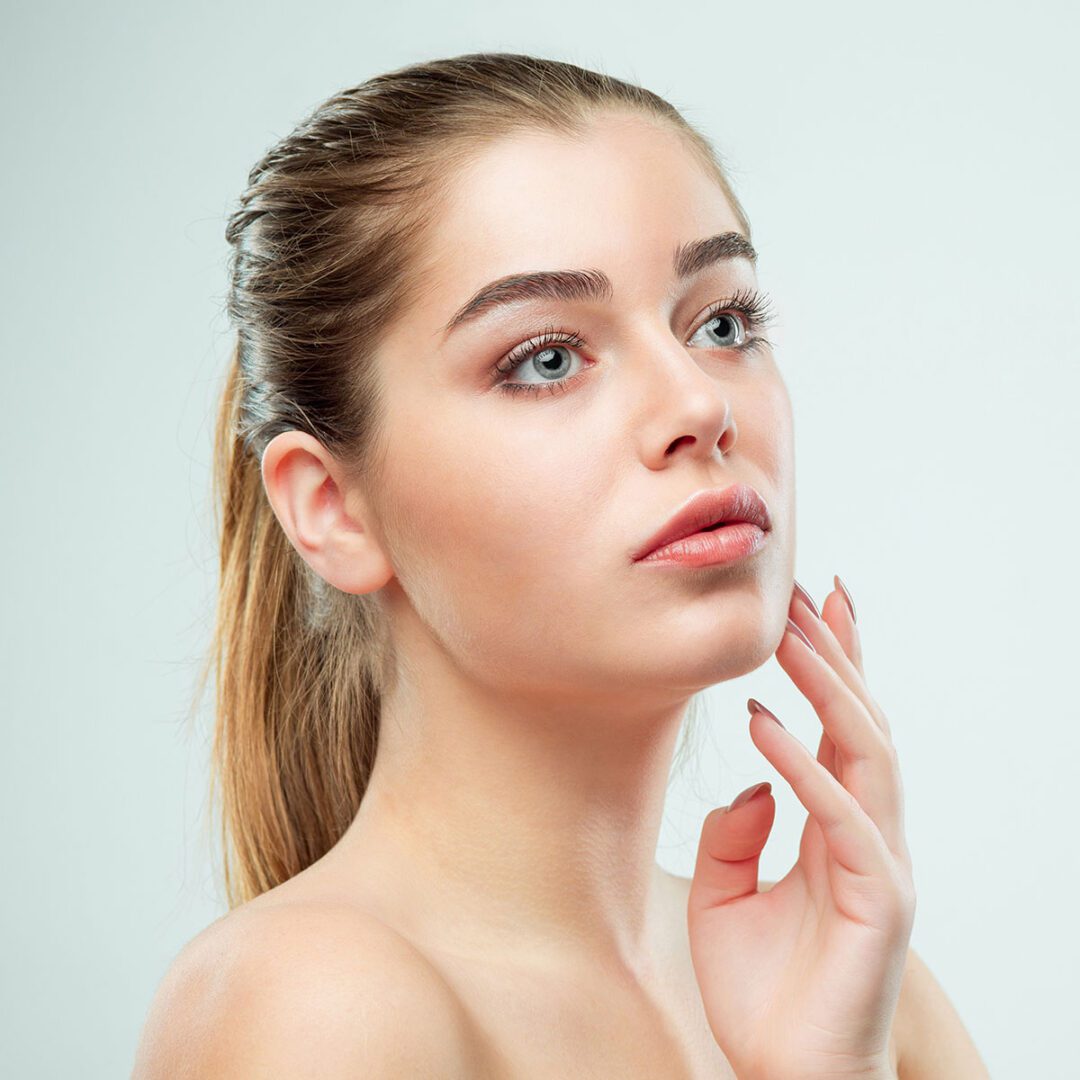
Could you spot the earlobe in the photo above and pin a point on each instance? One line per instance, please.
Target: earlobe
(300, 478)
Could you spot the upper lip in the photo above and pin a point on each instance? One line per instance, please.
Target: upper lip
(739, 502)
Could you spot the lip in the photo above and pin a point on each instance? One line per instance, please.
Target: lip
(739, 502)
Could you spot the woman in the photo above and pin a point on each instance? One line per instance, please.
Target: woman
(500, 350)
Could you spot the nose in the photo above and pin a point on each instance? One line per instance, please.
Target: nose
(685, 401)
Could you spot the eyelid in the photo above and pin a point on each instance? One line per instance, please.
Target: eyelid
(750, 302)
(722, 308)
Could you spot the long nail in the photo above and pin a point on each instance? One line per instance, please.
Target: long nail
(807, 599)
(847, 596)
(802, 637)
(753, 705)
(749, 793)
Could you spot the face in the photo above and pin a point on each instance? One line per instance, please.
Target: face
(512, 501)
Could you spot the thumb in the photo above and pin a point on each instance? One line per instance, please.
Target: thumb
(732, 838)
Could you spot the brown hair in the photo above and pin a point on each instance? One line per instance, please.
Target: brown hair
(323, 241)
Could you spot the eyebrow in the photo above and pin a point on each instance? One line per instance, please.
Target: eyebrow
(688, 259)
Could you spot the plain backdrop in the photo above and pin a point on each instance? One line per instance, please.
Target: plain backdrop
(910, 172)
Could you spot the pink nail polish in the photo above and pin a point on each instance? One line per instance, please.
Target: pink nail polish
(807, 599)
(749, 793)
(753, 705)
(847, 596)
(800, 635)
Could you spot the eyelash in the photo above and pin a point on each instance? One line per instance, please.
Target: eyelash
(752, 304)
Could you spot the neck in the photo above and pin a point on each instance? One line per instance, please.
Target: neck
(521, 825)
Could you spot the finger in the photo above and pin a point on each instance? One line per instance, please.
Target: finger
(864, 756)
(852, 838)
(845, 628)
(823, 633)
(826, 754)
(836, 615)
(729, 850)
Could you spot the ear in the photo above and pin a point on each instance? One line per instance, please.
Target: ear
(305, 485)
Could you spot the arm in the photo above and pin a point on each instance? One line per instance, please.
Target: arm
(933, 1042)
(279, 1003)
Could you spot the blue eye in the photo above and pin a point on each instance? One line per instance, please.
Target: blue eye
(736, 317)
(729, 327)
(547, 355)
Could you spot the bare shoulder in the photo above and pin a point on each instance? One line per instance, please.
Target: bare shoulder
(932, 1038)
(303, 989)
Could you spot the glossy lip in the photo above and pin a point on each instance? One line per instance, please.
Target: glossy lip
(739, 502)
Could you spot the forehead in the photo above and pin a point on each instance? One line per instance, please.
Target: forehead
(625, 194)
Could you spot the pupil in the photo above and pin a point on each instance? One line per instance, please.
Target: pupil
(549, 356)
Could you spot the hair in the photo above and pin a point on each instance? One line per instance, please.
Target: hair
(324, 245)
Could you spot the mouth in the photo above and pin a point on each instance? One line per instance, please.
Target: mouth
(708, 511)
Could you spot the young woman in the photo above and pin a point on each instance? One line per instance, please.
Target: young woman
(506, 476)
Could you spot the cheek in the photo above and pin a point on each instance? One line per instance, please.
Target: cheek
(774, 450)
(488, 549)
(766, 431)
(484, 518)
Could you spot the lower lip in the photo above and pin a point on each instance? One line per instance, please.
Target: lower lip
(727, 544)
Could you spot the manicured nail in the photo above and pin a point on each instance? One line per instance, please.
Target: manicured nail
(749, 793)
(752, 704)
(847, 596)
(801, 636)
(807, 599)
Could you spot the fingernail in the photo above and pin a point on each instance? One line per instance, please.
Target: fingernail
(753, 704)
(847, 596)
(807, 599)
(749, 793)
(802, 637)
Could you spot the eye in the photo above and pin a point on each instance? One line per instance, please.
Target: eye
(551, 362)
(732, 323)
(547, 356)
(737, 322)
(727, 330)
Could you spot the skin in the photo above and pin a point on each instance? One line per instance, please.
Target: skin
(525, 750)
(804, 981)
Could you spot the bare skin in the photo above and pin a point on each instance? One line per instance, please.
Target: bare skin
(510, 826)
(524, 1017)
(509, 1019)
(525, 753)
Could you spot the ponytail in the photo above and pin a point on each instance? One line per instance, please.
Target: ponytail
(297, 706)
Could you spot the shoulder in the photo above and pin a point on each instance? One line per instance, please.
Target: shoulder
(302, 989)
(931, 1036)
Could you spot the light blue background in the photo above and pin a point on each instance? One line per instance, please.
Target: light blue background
(910, 172)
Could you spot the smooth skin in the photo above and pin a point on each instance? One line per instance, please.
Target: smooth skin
(504, 852)
(803, 981)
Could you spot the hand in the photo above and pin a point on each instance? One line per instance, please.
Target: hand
(801, 982)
